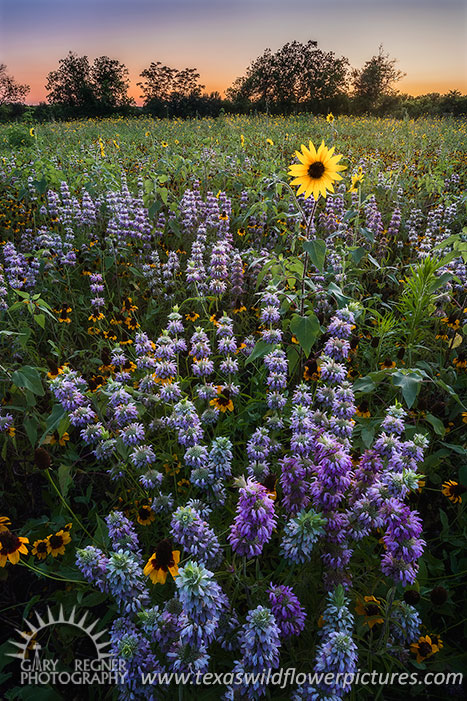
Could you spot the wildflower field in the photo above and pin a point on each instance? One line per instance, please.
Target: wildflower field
(233, 420)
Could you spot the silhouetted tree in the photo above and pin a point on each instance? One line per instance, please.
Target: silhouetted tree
(110, 82)
(10, 90)
(373, 83)
(81, 88)
(168, 91)
(298, 76)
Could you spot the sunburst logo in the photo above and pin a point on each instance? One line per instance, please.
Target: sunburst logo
(102, 669)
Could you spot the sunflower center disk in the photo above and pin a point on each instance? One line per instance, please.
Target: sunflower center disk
(316, 170)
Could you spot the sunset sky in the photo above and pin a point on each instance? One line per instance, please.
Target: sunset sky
(221, 37)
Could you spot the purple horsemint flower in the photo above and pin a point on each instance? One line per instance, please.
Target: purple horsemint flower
(255, 520)
(295, 485)
(259, 645)
(195, 535)
(287, 610)
(122, 533)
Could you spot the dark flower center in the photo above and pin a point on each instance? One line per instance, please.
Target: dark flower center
(144, 512)
(41, 547)
(269, 482)
(164, 558)
(456, 490)
(56, 541)
(424, 649)
(316, 170)
(371, 609)
(9, 542)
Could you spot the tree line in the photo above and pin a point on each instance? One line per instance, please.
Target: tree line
(297, 77)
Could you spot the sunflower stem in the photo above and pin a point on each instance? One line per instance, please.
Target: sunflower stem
(307, 257)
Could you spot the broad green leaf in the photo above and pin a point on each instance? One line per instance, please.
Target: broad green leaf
(64, 479)
(306, 330)
(409, 382)
(437, 424)
(260, 349)
(316, 249)
(28, 377)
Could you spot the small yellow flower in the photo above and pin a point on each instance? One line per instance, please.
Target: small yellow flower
(330, 118)
(270, 142)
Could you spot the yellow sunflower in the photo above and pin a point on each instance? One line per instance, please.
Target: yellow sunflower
(317, 170)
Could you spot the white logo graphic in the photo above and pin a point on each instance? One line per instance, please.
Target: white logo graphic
(103, 669)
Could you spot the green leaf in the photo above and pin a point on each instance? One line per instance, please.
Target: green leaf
(409, 382)
(463, 475)
(28, 377)
(64, 479)
(260, 349)
(54, 419)
(358, 253)
(364, 385)
(164, 194)
(437, 424)
(30, 426)
(40, 319)
(306, 330)
(316, 249)
(368, 433)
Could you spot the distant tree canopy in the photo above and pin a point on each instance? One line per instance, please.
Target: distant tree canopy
(296, 77)
(10, 90)
(374, 83)
(169, 91)
(79, 87)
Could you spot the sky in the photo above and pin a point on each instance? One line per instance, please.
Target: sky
(222, 37)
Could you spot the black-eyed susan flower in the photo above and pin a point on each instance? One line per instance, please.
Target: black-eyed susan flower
(453, 491)
(161, 562)
(145, 515)
(39, 549)
(214, 318)
(311, 370)
(223, 216)
(387, 364)
(370, 607)
(460, 362)
(270, 483)
(191, 316)
(56, 543)
(223, 401)
(4, 523)
(464, 417)
(317, 170)
(11, 546)
(54, 369)
(270, 142)
(239, 308)
(452, 321)
(330, 118)
(55, 438)
(363, 410)
(241, 231)
(63, 314)
(425, 647)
